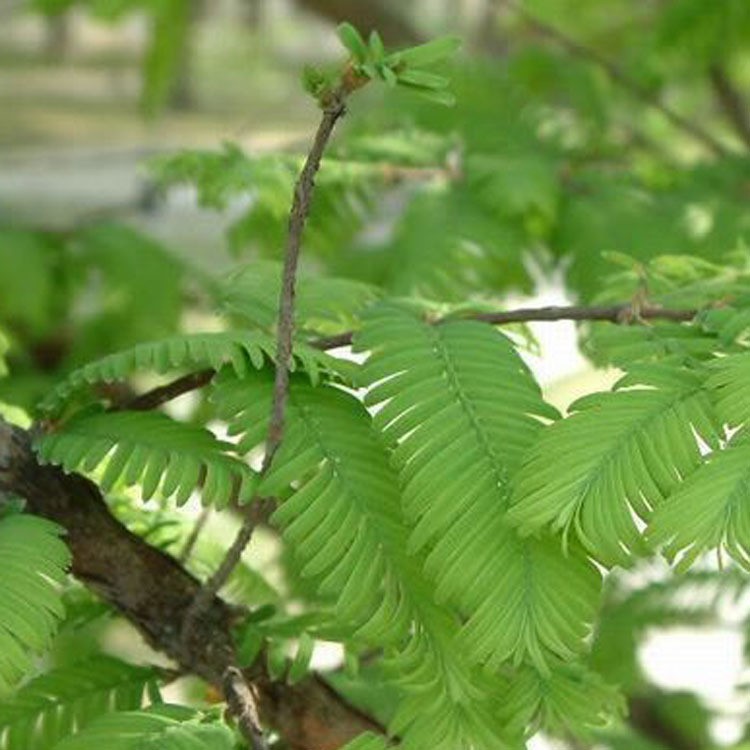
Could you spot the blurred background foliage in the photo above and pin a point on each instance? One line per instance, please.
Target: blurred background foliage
(148, 145)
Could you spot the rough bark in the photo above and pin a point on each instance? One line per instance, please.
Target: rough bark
(153, 591)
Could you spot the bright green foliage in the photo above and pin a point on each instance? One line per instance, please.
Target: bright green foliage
(33, 559)
(568, 697)
(436, 516)
(153, 451)
(625, 451)
(245, 350)
(367, 742)
(64, 700)
(325, 305)
(26, 296)
(458, 408)
(728, 380)
(345, 524)
(403, 68)
(687, 524)
(135, 268)
(165, 727)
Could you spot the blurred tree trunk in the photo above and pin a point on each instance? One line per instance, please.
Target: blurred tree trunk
(366, 15)
(489, 39)
(57, 37)
(253, 13)
(182, 94)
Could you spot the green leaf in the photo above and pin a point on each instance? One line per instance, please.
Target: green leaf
(165, 727)
(377, 48)
(565, 700)
(153, 451)
(343, 519)
(367, 741)
(428, 53)
(420, 79)
(301, 664)
(324, 304)
(243, 350)
(4, 347)
(434, 95)
(353, 41)
(709, 510)
(458, 408)
(66, 699)
(34, 561)
(621, 454)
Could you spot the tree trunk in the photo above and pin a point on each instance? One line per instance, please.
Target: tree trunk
(366, 15)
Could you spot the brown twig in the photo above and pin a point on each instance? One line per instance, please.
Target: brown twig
(616, 73)
(611, 313)
(243, 705)
(241, 698)
(195, 532)
(731, 101)
(164, 393)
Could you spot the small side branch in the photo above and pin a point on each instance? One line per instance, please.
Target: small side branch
(195, 533)
(153, 399)
(575, 48)
(734, 106)
(243, 705)
(611, 313)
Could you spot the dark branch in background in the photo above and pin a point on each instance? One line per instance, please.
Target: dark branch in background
(612, 313)
(641, 93)
(195, 533)
(153, 592)
(645, 716)
(622, 313)
(193, 381)
(731, 101)
(373, 15)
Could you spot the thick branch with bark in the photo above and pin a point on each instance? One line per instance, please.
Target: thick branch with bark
(153, 591)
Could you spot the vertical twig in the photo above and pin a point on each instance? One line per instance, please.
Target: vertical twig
(195, 532)
(237, 692)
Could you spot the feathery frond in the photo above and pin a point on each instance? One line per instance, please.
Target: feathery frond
(323, 304)
(33, 560)
(709, 509)
(458, 408)
(344, 521)
(244, 350)
(729, 383)
(568, 697)
(167, 727)
(63, 701)
(153, 451)
(625, 451)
